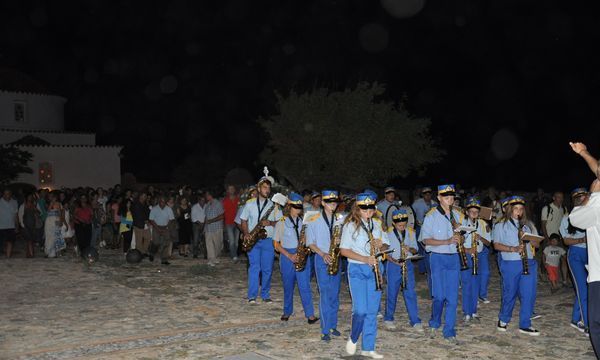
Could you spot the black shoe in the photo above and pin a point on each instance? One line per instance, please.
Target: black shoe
(165, 263)
(268, 301)
(285, 317)
(312, 321)
(335, 332)
(325, 337)
(151, 257)
(529, 331)
(501, 326)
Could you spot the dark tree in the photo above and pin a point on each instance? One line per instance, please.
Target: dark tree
(13, 161)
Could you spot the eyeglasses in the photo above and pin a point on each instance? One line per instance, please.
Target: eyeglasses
(367, 207)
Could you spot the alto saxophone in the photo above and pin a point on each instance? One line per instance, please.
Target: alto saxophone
(460, 245)
(375, 252)
(302, 250)
(334, 250)
(522, 249)
(474, 244)
(258, 232)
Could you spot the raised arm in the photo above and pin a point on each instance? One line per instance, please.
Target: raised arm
(581, 150)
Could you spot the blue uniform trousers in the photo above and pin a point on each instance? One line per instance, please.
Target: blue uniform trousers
(445, 270)
(329, 289)
(365, 303)
(515, 284)
(394, 281)
(470, 288)
(577, 258)
(261, 262)
(289, 277)
(484, 272)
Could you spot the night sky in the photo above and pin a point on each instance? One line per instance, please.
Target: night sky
(181, 83)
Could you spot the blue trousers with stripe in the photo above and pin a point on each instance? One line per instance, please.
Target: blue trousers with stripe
(290, 277)
(445, 270)
(470, 288)
(516, 285)
(394, 281)
(484, 272)
(261, 259)
(577, 258)
(329, 290)
(365, 303)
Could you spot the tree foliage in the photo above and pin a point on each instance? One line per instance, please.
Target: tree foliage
(348, 138)
(13, 161)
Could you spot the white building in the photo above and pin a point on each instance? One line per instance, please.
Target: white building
(35, 120)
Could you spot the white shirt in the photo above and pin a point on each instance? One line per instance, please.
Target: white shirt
(588, 217)
(198, 214)
(553, 215)
(553, 255)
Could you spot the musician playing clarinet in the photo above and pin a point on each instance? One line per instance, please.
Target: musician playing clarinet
(362, 240)
(440, 240)
(518, 266)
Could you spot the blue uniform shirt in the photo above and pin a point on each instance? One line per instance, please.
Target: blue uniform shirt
(507, 233)
(421, 208)
(409, 239)
(357, 240)
(439, 227)
(250, 214)
(318, 232)
(564, 232)
(481, 231)
(285, 232)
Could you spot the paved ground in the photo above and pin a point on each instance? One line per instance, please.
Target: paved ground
(61, 308)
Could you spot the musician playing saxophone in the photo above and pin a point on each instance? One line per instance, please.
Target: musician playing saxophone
(318, 238)
(287, 236)
(505, 237)
(361, 236)
(474, 243)
(403, 240)
(440, 240)
(261, 256)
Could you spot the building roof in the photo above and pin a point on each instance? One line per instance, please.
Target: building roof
(68, 146)
(45, 131)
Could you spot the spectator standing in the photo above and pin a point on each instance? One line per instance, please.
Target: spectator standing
(9, 222)
(230, 205)
(184, 220)
(554, 255)
(213, 228)
(83, 224)
(126, 226)
(140, 212)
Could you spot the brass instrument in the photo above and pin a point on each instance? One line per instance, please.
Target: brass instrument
(258, 233)
(460, 245)
(522, 249)
(334, 250)
(302, 251)
(474, 244)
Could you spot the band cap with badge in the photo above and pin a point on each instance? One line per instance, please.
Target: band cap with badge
(446, 190)
(366, 200)
(579, 191)
(295, 200)
(400, 215)
(330, 196)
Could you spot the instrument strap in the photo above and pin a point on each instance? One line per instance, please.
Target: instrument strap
(296, 224)
(368, 230)
(329, 224)
(260, 210)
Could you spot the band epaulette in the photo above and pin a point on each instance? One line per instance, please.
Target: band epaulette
(283, 218)
(431, 211)
(251, 200)
(378, 220)
(411, 230)
(379, 213)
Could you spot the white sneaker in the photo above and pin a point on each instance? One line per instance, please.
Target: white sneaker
(379, 315)
(350, 347)
(418, 327)
(389, 325)
(211, 264)
(371, 354)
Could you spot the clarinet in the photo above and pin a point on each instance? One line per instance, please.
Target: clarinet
(522, 249)
(474, 243)
(403, 265)
(374, 252)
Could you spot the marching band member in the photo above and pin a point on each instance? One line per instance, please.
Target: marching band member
(261, 256)
(421, 207)
(318, 238)
(440, 240)
(471, 282)
(515, 283)
(287, 235)
(356, 245)
(387, 205)
(403, 240)
(577, 259)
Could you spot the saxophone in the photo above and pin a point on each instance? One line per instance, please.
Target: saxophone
(523, 250)
(334, 250)
(460, 245)
(258, 233)
(474, 244)
(375, 252)
(302, 251)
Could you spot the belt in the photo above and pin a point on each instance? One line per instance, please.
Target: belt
(447, 254)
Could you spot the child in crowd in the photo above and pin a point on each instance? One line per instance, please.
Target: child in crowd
(553, 256)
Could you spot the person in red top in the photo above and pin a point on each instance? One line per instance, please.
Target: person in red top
(83, 224)
(230, 204)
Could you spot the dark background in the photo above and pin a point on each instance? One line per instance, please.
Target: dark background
(506, 83)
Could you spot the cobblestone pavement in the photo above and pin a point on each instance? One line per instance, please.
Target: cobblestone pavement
(62, 308)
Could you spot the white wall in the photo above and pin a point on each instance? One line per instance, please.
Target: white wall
(74, 166)
(55, 138)
(43, 112)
